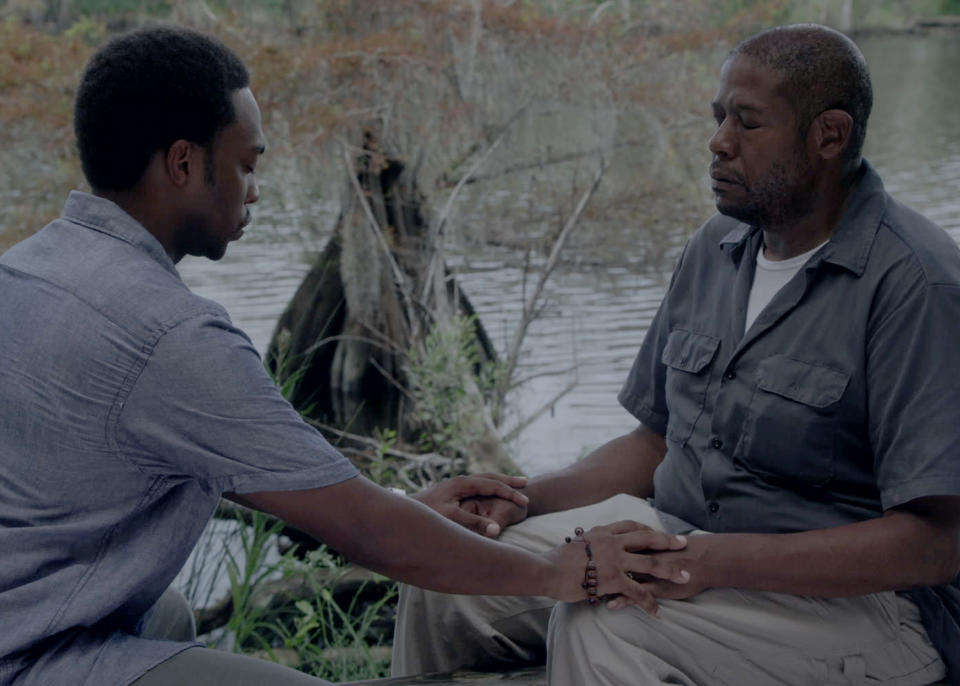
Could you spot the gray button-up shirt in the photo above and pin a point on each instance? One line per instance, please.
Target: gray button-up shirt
(127, 406)
(840, 401)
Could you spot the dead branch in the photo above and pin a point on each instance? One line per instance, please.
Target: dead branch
(435, 235)
(530, 307)
(527, 421)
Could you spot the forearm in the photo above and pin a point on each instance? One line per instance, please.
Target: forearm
(405, 540)
(898, 551)
(624, 465)
(408, 541)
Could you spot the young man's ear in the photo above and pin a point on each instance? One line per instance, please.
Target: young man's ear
(832, 130)
(182, 160)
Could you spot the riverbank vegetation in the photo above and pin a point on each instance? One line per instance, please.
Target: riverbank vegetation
(559, 83)
(561, 130)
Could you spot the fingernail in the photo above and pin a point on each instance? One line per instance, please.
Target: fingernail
(611, 604)
(684, 576)
(682, 539)
(493, 529)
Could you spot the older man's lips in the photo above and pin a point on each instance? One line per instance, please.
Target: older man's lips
(721, 181)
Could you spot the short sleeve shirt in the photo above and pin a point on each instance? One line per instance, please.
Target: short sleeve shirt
(128, 405)
(839, 402)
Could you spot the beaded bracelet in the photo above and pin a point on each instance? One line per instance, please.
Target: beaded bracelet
(590, 574)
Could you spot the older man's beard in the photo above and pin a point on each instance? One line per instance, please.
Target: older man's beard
(783, 196)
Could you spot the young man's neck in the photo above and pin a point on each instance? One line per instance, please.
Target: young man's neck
(143, 207)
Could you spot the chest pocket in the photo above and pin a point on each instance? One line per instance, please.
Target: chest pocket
(688, 357)
(792, 420)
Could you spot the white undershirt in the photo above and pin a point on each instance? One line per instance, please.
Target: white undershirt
(770, 277)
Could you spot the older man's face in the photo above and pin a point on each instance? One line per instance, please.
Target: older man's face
(761, 171)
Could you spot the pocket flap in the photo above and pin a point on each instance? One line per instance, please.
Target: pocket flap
(806, 383)
(688, 351)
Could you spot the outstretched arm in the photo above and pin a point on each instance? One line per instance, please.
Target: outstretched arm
(623, 465)
(406, 540)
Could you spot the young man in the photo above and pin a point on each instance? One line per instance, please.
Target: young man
(798, 399)
(128, 405)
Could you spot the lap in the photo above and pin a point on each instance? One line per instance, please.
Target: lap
(547, 531)
(438, 632)
(202, 666)
(728, 636)
(171, 619)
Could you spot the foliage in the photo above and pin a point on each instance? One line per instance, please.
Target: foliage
(438, 376)
(334, 639)
(247, 571)
(318, 630)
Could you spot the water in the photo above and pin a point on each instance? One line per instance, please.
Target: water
(596, 318)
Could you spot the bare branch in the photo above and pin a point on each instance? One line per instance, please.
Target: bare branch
(422, 458)
(436, 261)
(517, 430)
(530, 308)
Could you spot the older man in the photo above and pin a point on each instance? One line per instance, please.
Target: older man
(799, 407)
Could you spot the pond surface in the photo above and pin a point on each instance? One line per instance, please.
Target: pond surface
(596, 317)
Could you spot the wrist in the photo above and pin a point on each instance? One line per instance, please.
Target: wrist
(535, 503)
(705, 562)
(552, 577)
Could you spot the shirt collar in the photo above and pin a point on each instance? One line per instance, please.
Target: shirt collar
(850, 243)
(105, 216)
(734, 243)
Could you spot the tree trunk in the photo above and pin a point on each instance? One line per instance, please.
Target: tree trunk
(340, 347)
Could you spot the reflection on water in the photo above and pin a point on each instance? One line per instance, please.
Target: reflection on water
(595, 319)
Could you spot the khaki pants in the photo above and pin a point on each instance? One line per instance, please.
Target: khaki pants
(722, 636)
(172, 619)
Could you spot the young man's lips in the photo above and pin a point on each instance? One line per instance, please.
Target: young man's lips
(246, 221)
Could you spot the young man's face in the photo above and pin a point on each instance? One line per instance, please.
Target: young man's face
(229, 184)
(761, 172)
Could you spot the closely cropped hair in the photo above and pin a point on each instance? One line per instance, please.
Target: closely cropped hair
(147, 89)
(822, 69)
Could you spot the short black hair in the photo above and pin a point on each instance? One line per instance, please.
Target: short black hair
(822, 69)
(147, 89)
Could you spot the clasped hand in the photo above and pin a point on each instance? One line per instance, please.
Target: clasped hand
(485, 503)
(636, 564)
(629, 569)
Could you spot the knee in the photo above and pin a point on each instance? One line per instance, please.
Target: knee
(569, 624)
(575, 625)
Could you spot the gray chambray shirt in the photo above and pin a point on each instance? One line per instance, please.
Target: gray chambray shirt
(841, 400)
(127, 406)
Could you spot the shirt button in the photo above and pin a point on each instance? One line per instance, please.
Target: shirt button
(714, 507)
(730, 376)
(717, 443)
